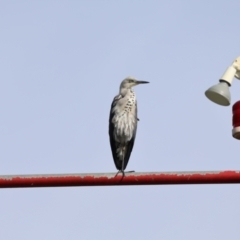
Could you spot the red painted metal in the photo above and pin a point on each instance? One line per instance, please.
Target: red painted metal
(236, 120)
(109, 179)
(236, 114)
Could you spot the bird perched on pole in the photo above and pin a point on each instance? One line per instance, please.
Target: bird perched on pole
(123, 123)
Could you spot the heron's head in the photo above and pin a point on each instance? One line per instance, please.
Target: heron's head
(129, 82)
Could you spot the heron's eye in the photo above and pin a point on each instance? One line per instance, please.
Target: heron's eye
(130, 80)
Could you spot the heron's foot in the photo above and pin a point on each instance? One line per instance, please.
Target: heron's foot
(120, 171)
(123, 173)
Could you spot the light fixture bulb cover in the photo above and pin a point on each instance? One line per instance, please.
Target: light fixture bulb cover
(219, 94)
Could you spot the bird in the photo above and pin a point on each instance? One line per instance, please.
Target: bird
(123, 121)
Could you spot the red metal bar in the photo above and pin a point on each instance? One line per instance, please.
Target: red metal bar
(109, 179)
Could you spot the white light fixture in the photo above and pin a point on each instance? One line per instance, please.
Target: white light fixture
(220, 93)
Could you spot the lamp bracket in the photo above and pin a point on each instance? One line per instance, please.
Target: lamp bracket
(236, 65)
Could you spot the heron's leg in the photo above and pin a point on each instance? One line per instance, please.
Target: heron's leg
(123, 155)
(122, 171)
(123, 174)
(122, 167)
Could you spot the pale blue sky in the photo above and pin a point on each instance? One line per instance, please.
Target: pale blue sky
(61, 63)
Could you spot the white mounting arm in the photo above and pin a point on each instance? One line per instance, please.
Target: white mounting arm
(236, 65)
(232, 71)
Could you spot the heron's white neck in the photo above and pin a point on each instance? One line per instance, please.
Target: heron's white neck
(124, 91)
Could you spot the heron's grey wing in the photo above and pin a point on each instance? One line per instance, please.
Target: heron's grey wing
(131, 142)
(113, 143)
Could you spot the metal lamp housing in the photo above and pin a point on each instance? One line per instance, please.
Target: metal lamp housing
(220, 93)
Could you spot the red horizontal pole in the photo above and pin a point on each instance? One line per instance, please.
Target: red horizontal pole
(109, 179)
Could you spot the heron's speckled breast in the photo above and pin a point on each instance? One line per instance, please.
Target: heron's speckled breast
(125, 119)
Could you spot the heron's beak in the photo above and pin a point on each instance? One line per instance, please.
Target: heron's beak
(140, 82)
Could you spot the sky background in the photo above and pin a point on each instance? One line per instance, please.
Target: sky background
(61, 64)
